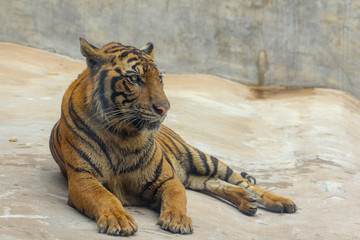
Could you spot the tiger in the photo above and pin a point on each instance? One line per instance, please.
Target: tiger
(114, 151)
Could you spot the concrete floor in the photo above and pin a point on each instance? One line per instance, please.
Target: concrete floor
(301, 144)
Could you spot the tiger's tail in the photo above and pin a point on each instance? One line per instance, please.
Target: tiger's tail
(216, 177)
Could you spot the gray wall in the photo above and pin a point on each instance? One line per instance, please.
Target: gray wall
(283, 42)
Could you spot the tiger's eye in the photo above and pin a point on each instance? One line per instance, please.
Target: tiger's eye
(133, 79)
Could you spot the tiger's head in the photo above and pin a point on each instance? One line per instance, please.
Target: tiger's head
(127, 89)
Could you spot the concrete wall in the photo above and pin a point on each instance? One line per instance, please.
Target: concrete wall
(283, 42)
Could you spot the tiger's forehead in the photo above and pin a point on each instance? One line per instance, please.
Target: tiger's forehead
(130, 58)
(124, 51)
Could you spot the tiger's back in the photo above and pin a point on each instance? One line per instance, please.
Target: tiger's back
(112, 147)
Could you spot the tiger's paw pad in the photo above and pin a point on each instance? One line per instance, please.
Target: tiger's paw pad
(248, 205)
(117, 224)
(175, 222)
(281, 205)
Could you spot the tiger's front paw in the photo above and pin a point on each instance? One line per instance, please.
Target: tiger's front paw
(175, 222)
(248, 205)
(279, 204)
(117, 224)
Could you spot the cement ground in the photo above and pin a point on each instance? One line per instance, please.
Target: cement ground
(298, 143)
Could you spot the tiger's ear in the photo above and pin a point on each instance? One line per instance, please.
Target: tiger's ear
(149, 49)
(90, 52)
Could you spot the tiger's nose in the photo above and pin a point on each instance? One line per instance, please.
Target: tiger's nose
(161, 110)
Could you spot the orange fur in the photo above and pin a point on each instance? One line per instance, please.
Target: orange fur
(111, 146)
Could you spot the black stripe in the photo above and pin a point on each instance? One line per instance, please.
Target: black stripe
(143, 149)
(135, 65)
(189, 156)
(185, 183)
(80, 78)
(91, 62)
(172, 134)
(149, 160)
(156, 175)
(204, 161)
(215, 162)
(77, 134)
(114, 49)
(139, 163)
(248, 177)
(158, 188)
(131, 168)
(170, 178)
(128, 100)
(134, 51)
(124, 54)
(82, 126)
(164, 144)
(113, 62)
(115, 93)
(168, 160)
(58, 136)
(171, 140)
(80, 170)
(126, 86)
(229, 172)
(101, 87)
(55, 151)
(118, 70)
(132, 59)
(239, 182)
(84, 156)
(130, 72)
(145, 160)
(190, 159)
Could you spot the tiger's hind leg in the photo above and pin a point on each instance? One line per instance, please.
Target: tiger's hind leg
(240, 197)
(212, 168)
(204, 166)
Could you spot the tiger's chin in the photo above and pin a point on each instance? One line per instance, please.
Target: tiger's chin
(143, 125)
(154, 127)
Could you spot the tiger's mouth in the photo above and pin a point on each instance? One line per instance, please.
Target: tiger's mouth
(145, 119)
(150, 123)
(122, 119)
